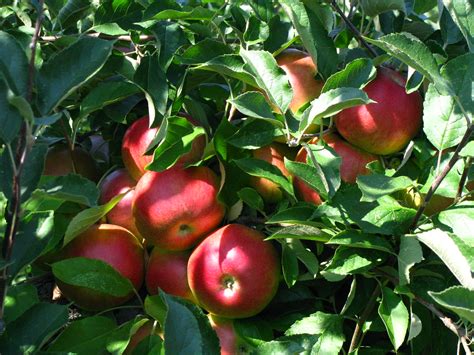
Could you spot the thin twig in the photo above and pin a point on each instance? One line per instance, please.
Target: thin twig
(354, 30)
(363, 317)
(441, 177)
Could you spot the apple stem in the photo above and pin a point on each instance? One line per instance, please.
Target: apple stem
(440, 177)
(354, 30)
(25, 142)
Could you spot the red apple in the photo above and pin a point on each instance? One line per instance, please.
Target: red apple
(139, 136)
(353, 164)
(273, 154)
(384, 127)
(301, 72)
(167, 270)
(176, 208)
(60, 160)
(234, 273)
(225, 331)
(117, 247)
(116, 183)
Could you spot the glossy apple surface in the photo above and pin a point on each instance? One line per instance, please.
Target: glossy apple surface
(61, 161)
(168, 271)
(234, 273)
(176, 208)
(117, 247)
(273, 154)
(114, 184)
(301, 72)
(384, 127)
(138, 138)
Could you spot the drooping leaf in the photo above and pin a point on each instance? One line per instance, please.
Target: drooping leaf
(69, 69)
(93, 274)
(13, 64)
(458, 299)
(254, 104)
(251, 198)
(375, 186)
(356, 74)
(349, 261)
(357, 239)
(304, 232)
(255, 134)
(394, 315)
(461, 13)
(18, 300)
(204, 51)
(410, 254)
(289, 265)
(10, 120)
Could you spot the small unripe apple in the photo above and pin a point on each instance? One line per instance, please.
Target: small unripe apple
(234, 273)
(176, 208)
(384, 127)
(137, 139)
(168, 271)
(353, 164)
(114, 184)
(117, 247)
(60, 160)
(301, 72)
(273, 154)
(413, 199)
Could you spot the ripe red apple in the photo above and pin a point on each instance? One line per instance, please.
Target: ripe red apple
(176, 208)
(384, 127)
(139, 136)
(353, 164)
(116, 183)
(234, 273)
(301, 72)
(168, 271)
(273, 154)
(117, 247)
(60, 160)
(225, 331)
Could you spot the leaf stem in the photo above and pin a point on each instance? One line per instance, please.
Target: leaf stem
(354, 30)
(440, 177)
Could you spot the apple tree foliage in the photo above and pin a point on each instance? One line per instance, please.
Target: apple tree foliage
(362, 273)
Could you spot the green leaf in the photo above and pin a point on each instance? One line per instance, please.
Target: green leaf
(458, 299)
(304, 232)
(413, 52)
(204, 51)
(285, 345)
(196, 13)
(85, 336)
(171, 37)
(443, 245)
(328, 327)
(34, 235)
(292, 215)
(314, 36)
(330, 103)
(151, 78)
(255, 134)
(468, 150)
(230, 65)
(305, 255)
(18, 300)
(30, 175)
(358, 239)
(416, 326)
(349, 261)
(254, 104)
(197, 337)
(460, 219)
(70, 68)
(93, 274)
(105, 94)
(375, 186)
(251, 198)
(289, 265)
(26, 334)
(356, 74)
(71, 187)
(156, 307)
(13, 64)
(410, 254)
(271, 78)
(10, 120)
(261, 168)
(388, 218)
(180, 135)
(394, 315)
(373, 8)
(461, 13)
(256, 32)
(71, 12)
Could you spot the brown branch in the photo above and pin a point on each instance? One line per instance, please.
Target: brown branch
(441, 176)
(353, 29)
(363, 318)
(23, 146)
